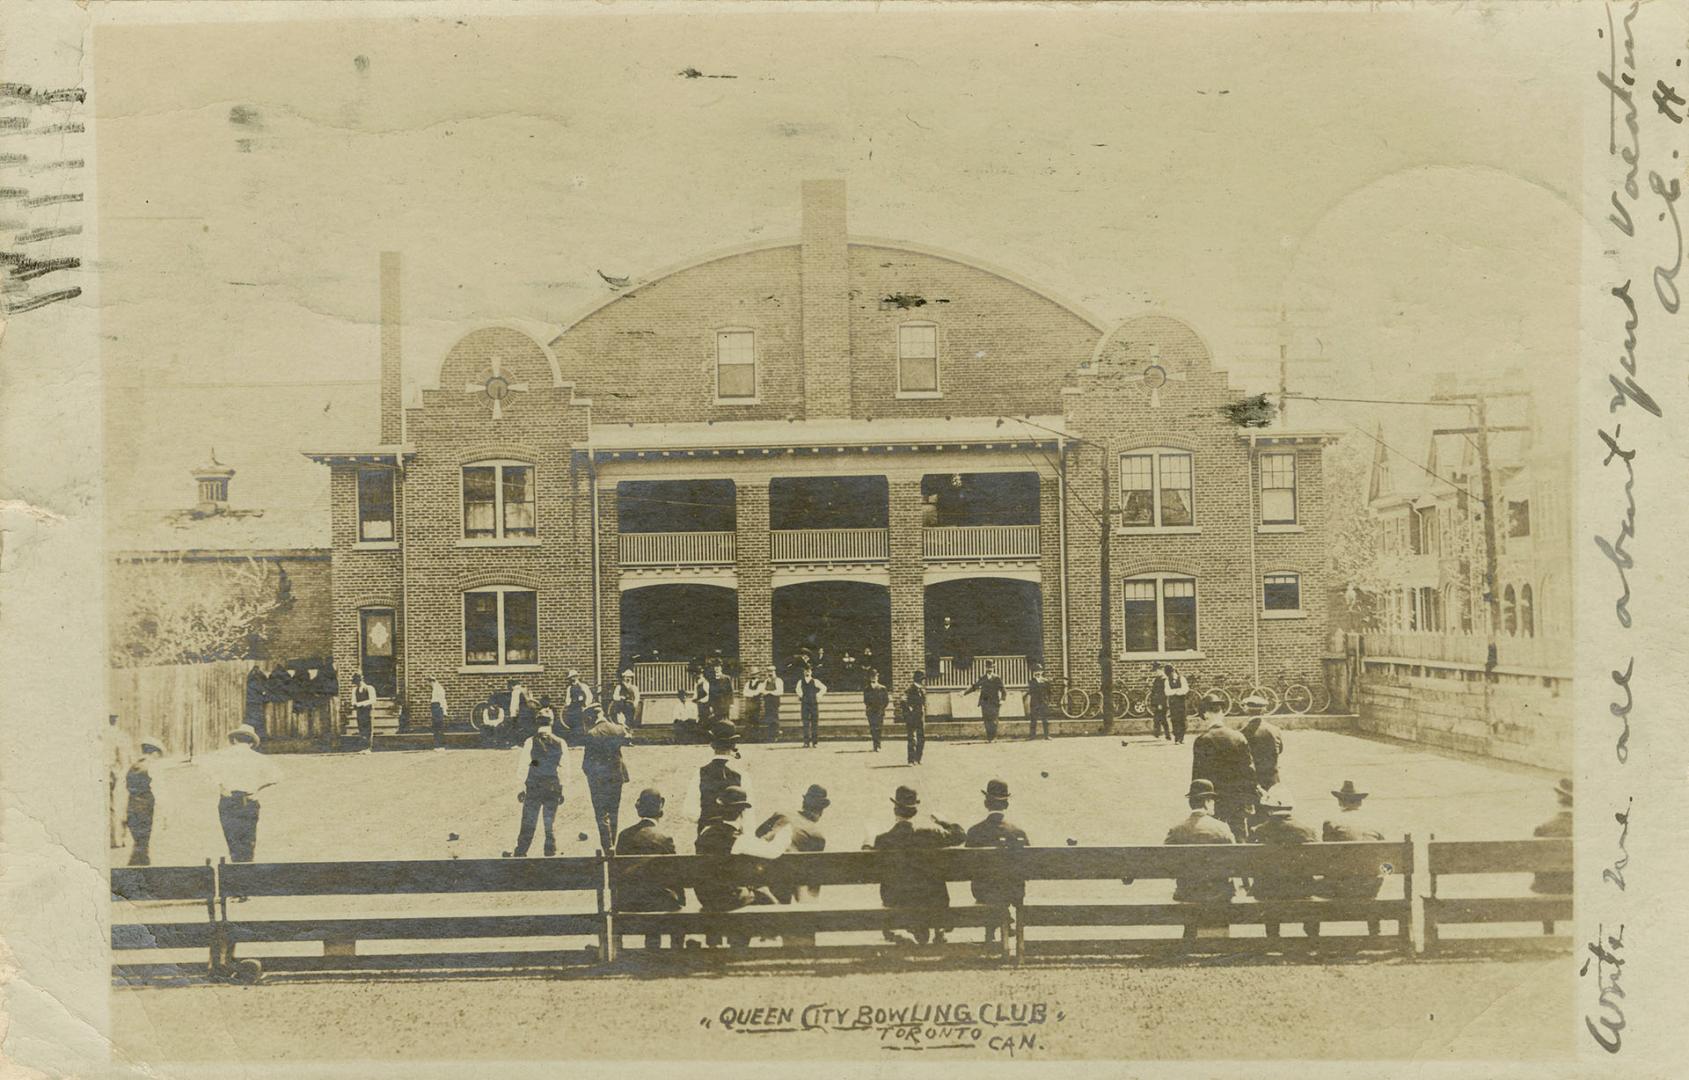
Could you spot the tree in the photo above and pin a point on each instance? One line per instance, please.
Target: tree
(167, 610)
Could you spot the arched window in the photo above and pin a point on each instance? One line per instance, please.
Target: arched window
(1527, 613)
(1156, 488)
(1510, 611)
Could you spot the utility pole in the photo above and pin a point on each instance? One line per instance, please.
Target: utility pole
(1486, 486)
(1282, 330)
(1105, 654)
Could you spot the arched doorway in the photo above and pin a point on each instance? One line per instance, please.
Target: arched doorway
(669, 627)
(843, 626)
(975, 617)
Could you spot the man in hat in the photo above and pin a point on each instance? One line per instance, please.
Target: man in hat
(241, 773)
(810, 691)
(1266, 742)
(1349, 826)
(806, 835)
(538, 763)
(363, 703)
(996, 832)
(924, 895)
(1201, 827)
(1279, 829)
(763, 693)
(1038, 702)
(989, 687)
(1221, 756)
(721, 692)
(725, 769)
(875, 697)
(138, 812)
(1556, 882)
(1178, 701)
(606, 772)
(624, 700)
(915, 716)
(1158, 702)
(647, 838)
(577, 695)
(730, 886)
(437, 712)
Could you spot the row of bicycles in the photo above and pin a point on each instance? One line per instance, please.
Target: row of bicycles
(1078, 703)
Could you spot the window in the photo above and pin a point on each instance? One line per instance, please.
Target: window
(1278, 489)
(1156, 489)
(1527, 612)
(735, 365)
(1518, 518)
(500, 627)
(375, 504)
(1282, 592)
(1160, 615)
(1510, 611)
(498, 501)
(917, 358)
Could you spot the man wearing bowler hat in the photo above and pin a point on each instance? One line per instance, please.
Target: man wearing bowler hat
(1351, 825)
(996, 832)
(601, 760)
(1279, 828)
(723, 770)
(924, 895)
(914, 709)
(989, 687)
(1266, 742)
(730, 887)
(1221, 756)
(646, 837)
(806, 835)
(1201, 827)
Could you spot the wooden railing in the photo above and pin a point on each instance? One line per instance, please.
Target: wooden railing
(678, 549)
(980, 542)
(1011, 669)
(661, 677)
(829, 545)
(1534, 654)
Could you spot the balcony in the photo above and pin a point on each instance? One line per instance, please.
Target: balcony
(678, 549)
(946, 542)
(829, 546)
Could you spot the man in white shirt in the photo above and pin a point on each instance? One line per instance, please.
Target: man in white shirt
(437, 712)
(241, 773)
(363, 701)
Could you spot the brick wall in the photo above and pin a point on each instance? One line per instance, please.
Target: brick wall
(301, 628)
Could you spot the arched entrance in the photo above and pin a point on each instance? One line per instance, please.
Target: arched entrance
(843, 626)
(974, 617)
(666, 628)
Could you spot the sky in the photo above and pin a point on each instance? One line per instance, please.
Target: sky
(1404, 181)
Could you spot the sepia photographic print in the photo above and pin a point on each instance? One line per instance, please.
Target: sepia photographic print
(881, 537)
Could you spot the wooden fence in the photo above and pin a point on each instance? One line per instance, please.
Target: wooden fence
(192, 707)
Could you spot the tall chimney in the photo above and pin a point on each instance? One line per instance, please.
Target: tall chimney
(826, 300)
(392, 355)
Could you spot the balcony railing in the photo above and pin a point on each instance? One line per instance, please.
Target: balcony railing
(1011, 669)
(980, 542)
(829, 545)
(677, 549)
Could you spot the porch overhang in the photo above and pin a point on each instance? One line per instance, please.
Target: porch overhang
(375, 455)
(1267, 437)
(767, 438)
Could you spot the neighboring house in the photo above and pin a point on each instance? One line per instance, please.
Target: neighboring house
(213, 581)
(855, 447)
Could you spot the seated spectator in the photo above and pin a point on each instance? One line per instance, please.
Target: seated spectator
(1279, 829)
(734, 884)
(996, 832)
(806, 835)
(1350, 825)
(1201, 827)
(646, 837)
(925, 896)
(1556, 882)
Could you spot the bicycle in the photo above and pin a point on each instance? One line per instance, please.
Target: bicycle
(1073, 701)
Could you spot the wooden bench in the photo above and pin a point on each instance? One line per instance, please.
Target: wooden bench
(163, 889)
(1393, 860)
(340, 936)
(1484, 857)
(807, 919)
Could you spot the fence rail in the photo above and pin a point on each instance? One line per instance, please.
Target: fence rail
(980, 542)
(678, 549)
(192, 707)
(1011, 669)
(1537, 654)
(830, 545)
(661, 677)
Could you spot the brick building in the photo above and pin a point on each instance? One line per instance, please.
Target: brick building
(887, 454)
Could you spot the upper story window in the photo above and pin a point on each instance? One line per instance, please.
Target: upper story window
(1156, 486)
(498, 501)
(917, 358)
(1278, 489)
(1160, 614)
(375, 504)
(1518, 518)
(500, 627)
(735, 365)
(1281, 592)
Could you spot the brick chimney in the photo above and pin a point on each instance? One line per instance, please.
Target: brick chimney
(826, 300)
(392, 355)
